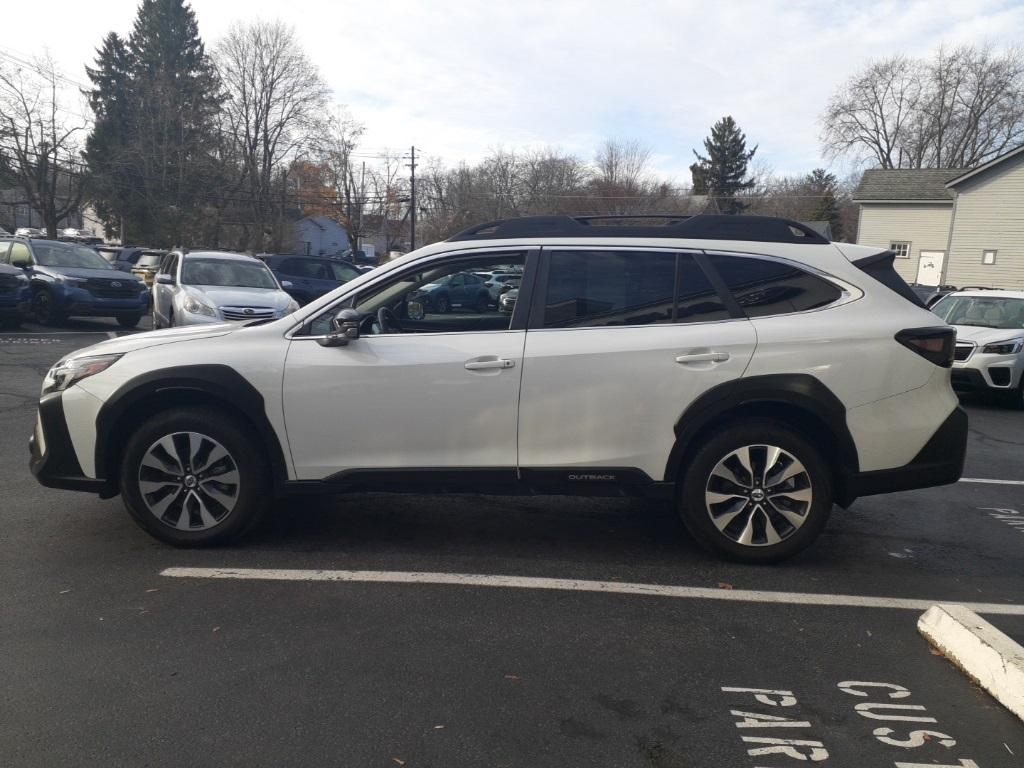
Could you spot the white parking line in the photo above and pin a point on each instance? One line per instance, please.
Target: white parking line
(577, 585)
(991, 482)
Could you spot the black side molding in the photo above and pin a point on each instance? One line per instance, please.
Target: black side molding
(939, 462)
(799, 395)
(219, 382)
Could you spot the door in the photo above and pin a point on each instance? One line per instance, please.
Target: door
(621, 342)
(422, 391)
(929, 267)
(163, 295)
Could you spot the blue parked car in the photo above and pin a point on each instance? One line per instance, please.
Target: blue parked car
(310, 276)
(68, 279)
(465, 290)
(15, 294)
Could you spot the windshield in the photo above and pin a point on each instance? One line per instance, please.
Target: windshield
(68, 255)
(227, 273)
(149, 260)
(983, 311)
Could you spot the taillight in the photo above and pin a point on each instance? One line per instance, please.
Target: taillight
(933, 344)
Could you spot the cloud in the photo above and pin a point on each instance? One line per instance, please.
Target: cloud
(458, 78)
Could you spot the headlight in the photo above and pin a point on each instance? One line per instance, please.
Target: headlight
(293, 306)
(1011, 347)
(196, 307)
(21, 277)
(69, 279)
(65, 373)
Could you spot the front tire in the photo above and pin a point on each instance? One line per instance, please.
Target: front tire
(192, 477)
(44, 308)
(756, 492)
(129, 321)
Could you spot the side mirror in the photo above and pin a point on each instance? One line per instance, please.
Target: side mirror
(286, 284)
(165, 279)
(344, 328)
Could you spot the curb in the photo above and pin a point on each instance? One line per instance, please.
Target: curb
(985, 654)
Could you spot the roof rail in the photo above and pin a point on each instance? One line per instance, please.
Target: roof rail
(701, 227)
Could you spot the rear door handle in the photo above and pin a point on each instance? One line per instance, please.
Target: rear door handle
(703, 357)
(483, 365)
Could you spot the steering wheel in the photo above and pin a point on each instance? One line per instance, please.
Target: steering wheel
(387, 321)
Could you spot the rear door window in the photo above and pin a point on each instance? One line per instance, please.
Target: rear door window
(589, 289)
(763, 287)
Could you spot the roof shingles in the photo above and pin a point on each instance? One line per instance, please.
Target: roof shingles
(924, 184)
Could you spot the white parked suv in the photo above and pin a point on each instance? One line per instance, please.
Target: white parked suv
(989, 341)
(743, 367)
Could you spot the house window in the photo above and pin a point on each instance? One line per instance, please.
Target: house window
(901, 249)
(988, 257)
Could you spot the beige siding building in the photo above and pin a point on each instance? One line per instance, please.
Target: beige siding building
(949, 226)
(987, 243)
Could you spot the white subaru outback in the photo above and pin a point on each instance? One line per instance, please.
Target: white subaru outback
(743, 367)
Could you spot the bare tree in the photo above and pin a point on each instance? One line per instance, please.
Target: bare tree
(957, 109)
(623, 164)
(339, 136)
(41, 141)
(275, 95)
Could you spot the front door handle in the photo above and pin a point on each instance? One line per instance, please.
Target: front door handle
(483, 365)
(703, 357)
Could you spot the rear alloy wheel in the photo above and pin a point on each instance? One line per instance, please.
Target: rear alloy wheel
(756, 492)
(192, 477)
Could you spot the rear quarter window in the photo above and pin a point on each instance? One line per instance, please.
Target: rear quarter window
(763, 287)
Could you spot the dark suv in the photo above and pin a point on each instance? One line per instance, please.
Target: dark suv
(311, 277)
(70, 279)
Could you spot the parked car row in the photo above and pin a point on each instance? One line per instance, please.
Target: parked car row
(67, 279)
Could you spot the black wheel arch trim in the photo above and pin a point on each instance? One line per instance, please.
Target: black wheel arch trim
(796, 390)
(220, 382)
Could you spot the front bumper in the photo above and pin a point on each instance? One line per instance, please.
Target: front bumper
(940, 462)
(53, 460)
(987, 372)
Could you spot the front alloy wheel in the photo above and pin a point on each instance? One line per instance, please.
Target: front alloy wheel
(195, 477)
(189, 481)
(758, 495)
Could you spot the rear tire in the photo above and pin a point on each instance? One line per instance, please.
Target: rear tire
(192, 477)
(761, 516)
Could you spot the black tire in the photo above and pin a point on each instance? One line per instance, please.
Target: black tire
(44, 308)
(1015, 398)
(441, 304)
(170, 318)
(129, 321)
(156, 323)
(251, 493)
(697, 480)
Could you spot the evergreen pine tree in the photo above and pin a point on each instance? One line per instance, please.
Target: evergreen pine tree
(110, 184)
(823, 185)
(155, 100)
(722, 173)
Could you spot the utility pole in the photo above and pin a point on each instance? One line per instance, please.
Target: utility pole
(412, 201)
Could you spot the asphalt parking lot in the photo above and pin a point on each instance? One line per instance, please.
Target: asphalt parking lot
(332, 644)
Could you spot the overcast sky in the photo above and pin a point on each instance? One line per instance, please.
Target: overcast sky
(456, 78)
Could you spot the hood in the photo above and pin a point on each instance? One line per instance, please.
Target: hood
(982, 335)
(240, 297)
(135, 341)
(86, 272)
